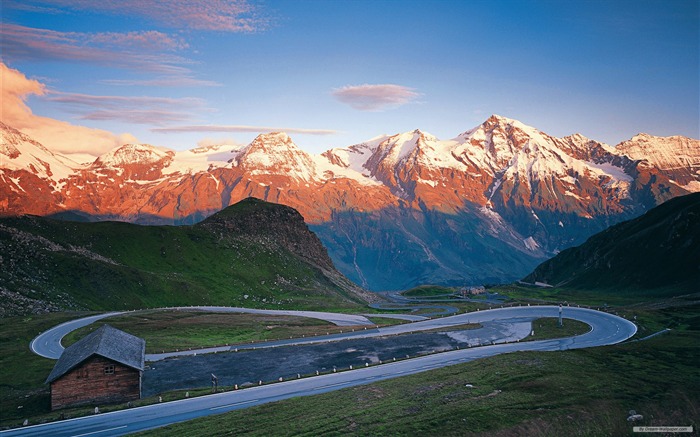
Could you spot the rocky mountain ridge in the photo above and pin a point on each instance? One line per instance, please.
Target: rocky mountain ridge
(394, 211)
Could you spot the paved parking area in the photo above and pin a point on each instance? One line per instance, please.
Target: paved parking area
(251, 366)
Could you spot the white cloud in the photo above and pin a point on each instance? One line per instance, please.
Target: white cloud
(55, 134)
(138, 110)
(375, 97)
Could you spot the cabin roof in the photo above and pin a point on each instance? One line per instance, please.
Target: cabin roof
(107, 342)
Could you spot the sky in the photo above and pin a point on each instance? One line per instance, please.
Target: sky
(84, 76)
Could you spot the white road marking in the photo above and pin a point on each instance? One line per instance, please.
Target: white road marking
(102, 430)
(330, 385)
(232, 405)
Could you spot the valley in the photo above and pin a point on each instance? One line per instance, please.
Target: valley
(263, 255)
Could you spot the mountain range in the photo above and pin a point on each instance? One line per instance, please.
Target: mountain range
(396, 211)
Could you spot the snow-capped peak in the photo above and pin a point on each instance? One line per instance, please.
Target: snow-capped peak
(582, 147)
(398, 147)
(664, 152)
(11, 138)
(276, 154)
(129, 154)
(678, 157)
(20, 152)
(500, 122)
(578, 138)
(499, 126)
(499, 119)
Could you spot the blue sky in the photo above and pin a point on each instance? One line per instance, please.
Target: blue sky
(335, 73)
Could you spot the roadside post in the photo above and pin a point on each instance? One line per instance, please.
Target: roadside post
(560, 311)
(214, 383)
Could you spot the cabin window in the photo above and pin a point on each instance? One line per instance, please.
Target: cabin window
(109, 370)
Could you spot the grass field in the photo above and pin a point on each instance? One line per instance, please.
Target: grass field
(170, 330)
(385, 321)
(548, 327)
(579, 392)
(428, 291)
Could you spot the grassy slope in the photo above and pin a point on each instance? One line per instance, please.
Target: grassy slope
(578, 392)
(112, 265)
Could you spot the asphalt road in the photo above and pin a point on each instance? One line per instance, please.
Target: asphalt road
(48, 343)
(606, 329)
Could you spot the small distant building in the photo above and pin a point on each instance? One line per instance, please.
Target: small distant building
(473, 290)
(101, 368)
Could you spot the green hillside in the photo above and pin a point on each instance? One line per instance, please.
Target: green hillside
(252, 254)
(655, 255)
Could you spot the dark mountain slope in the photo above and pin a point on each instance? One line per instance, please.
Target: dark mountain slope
(655, 254)
(253, 254)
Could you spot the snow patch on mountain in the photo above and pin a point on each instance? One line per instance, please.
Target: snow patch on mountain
(531, 244)
(203, 159)
(351, 162)
(328, 172)
(610, 170)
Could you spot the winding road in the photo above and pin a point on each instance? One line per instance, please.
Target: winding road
(606, 329)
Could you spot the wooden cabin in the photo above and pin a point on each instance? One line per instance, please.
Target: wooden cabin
(103, 367)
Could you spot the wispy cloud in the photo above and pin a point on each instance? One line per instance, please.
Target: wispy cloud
(138, 116)
(216, 15)
(375, 97)
(134, 50)
(242, 128)
(151, 40)
(165, 81)
(140, 110)
(107, 101)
